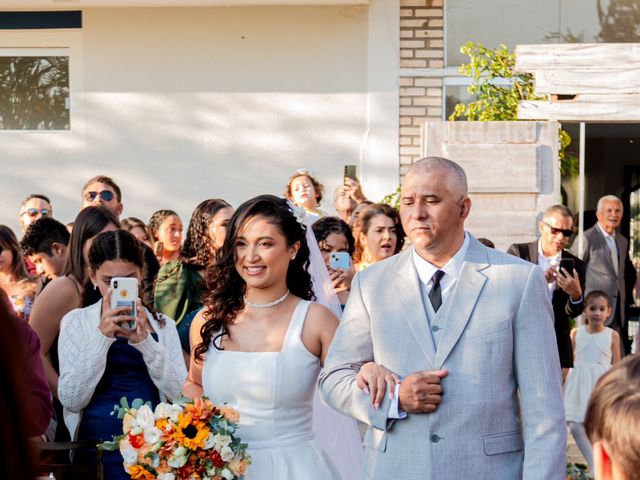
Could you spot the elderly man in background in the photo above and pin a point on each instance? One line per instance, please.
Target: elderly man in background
(604, 253)
(564, 273)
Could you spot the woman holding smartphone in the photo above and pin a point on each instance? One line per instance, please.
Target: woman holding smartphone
(108, 352)
(337, 244)
(65, 293)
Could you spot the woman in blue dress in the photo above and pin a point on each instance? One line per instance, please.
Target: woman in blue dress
(101, 362)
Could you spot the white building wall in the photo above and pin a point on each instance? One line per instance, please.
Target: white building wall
(183, 104)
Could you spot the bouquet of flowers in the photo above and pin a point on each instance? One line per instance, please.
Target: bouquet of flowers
(190, 439)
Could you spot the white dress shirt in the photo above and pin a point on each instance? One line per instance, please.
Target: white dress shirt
(546, 262)
(611, 243)
(448, 281)
(451, 271)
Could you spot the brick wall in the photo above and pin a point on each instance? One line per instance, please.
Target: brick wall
(421, 46)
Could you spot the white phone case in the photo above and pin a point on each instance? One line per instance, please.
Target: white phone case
(124, 294)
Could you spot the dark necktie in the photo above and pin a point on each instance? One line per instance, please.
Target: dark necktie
(435, 295)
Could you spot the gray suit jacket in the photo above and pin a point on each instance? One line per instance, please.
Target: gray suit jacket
(600, 272)
(498, 339)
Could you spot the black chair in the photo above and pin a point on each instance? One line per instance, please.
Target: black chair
(55, 457)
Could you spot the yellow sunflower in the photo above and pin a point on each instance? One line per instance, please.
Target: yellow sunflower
(190, 433)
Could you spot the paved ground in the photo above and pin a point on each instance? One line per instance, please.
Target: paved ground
(574, 454)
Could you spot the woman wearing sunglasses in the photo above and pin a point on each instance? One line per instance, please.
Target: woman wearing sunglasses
(19, 286)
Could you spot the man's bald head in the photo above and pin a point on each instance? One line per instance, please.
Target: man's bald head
(457, 178)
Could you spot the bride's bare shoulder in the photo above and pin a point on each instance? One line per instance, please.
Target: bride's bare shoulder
(320, 316)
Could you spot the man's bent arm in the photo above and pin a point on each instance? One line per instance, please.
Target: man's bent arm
(351, 348)
(538, 375)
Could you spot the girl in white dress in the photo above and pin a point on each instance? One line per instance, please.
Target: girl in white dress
(259, 342)
(595, 349)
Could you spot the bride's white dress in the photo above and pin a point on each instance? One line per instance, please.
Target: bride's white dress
(273, 393)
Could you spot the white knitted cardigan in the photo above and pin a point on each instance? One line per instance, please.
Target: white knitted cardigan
(82, 352)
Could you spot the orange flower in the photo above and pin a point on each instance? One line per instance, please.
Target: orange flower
(163, 467)
(230, 414)
(190, 433)
(162, 424)
(201, 409)
(140, 473)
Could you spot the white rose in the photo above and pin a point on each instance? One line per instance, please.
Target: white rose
(129, 454)
(152, 435)
(180, 452)
(177, 462)
(145, 417)
(166, 476)
(226, 474)
(222, 440)
(163, 410)
(175, 411)
(210, 441)
(226, 454)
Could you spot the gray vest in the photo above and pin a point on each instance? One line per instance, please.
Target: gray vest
(436, 320)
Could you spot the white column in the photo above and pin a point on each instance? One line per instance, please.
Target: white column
(581, 185)
(379, 165)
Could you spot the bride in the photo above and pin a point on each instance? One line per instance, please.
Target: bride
(259, 342)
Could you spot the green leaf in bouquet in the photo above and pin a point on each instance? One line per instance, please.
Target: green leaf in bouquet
(108, 446)
(124, 403)
(155, 459)
(137, 403)
(182, 400)
(150, 469)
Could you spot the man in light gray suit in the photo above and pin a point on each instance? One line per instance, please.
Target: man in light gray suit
(474, 346)
(604, 253)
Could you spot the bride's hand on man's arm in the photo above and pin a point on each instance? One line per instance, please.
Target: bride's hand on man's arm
(375, 380)
(193, 386)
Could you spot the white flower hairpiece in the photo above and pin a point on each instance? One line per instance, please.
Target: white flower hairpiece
(299, 213)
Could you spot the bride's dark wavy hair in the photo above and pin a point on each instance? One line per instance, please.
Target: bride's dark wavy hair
(225, 288)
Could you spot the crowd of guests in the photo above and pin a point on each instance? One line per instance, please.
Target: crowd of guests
(79, 360)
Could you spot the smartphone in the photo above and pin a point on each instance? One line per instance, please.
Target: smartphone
(124, 293)
(350, 172)
(340, 260)
(567, 264)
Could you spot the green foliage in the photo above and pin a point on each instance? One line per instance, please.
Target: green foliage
(34, 92)
(498, 89)
(393, 199)
(496, 99)
(569, 163)
(576, 471)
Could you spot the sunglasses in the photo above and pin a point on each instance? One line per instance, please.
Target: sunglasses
(33, 212)
(105, 195)
(555, 231)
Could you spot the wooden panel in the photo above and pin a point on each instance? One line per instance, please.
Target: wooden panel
(498, 168)
(493, 224)
(530, 58)
(596, 108)
(574, 82)
(487, 132)
(504, 202)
